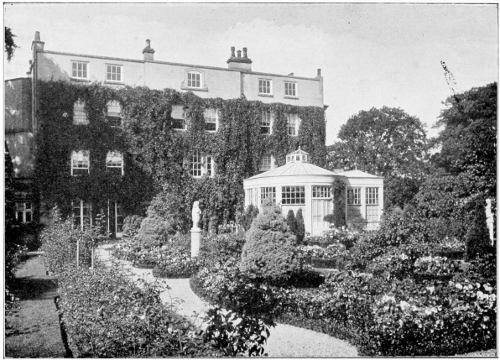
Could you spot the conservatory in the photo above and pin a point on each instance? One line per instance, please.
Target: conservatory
(301, 185)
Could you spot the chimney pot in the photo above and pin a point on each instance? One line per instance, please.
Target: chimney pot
(245, 52)
(37, 44)
(319, 72)
(232, 51)
(37, 35)
(148, 51)
(239, 53)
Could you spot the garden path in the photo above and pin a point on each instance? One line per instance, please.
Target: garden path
(284, 341)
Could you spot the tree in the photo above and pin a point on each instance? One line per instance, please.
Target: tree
(292, 222)
(9, 45)
(477, 240)
(301, 230)
(467, 141)
(386, 142)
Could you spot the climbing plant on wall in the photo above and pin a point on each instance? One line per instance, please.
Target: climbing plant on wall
(157, 156)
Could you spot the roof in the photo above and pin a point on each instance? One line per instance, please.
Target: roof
(294, 169)
(356, 174)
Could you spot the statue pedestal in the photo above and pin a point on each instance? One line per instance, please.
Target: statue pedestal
(195, 241)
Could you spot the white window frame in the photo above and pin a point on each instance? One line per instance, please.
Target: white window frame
(192, 82)
(266, 122)
(115, 209)
(372, 196)
(265, 87)
(266, 162)
(113, 114)
(23, 208)
(114, 160)
(109, 74)
(211, 116)
(79, 74)
(175, 110)
(353, 196)
(268, 192)
(201, 165)
(321, 192)
(293, 195)
(80, 160)
(292, 129)
(80, 113)
(81, 206)
(291, 89)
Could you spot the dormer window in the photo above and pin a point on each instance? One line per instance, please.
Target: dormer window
(114, 73)
(292, 124)
(80, 162)
(290, 89)
(178, 116)
(114, 162)
(266, 125)
(114, 113)
(79, 113)
(265, 87)
(211, 119)
(79, 70)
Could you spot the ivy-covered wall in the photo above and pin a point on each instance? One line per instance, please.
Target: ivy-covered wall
(157, 156)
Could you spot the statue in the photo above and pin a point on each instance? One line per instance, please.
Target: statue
(195, 213)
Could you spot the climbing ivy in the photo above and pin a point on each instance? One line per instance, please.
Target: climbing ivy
(156, 155)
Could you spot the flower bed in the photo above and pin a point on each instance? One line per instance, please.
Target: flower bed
(177, 265)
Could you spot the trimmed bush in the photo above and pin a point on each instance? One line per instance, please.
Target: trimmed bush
(300, 230)
(269, 252)
(477, 239)
(291, 222)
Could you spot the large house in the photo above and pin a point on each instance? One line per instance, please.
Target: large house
(283, 106)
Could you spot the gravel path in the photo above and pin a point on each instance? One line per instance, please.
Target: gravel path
(284, 341)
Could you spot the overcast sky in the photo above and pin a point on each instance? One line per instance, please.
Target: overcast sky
(371, 55)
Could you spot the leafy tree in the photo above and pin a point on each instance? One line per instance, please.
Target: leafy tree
(386, 142)
(292, 222)
(467, 141)
(9, 45)
(478, 235)
(301, 230)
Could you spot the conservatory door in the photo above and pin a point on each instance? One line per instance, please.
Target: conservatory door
(320, 208)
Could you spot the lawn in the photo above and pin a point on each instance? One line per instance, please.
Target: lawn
(32, 325)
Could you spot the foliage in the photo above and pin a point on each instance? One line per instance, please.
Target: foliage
(291, 222)
(154, 231)
(339, 201)
(477, 239)
(176, 265)
(400, 191)
(161, 154)
(467, 141)
(435, 266)
(9, 44)
(234, 334)
(300, 230)
(131, 225)
(392, 265)
(218, 249)
(245, 219)
(269, 251)
(106, 315)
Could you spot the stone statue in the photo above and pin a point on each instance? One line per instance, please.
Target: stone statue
(195, 213)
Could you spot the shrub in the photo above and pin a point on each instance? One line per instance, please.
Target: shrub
(106, 315)
(392, 265)
(154, 231)
(291, 222)
(436, 266)
(339, 218)
(176, 265)
(217, 249)
(245, 219)
(269, 252)
(477, 239)
(131, 225)
(300, 230)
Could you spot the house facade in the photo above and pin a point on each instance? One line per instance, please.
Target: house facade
(83, 109)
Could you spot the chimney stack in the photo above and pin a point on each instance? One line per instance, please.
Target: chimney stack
(319, 73)
(37, 44)
(148, 51)
(239, 62)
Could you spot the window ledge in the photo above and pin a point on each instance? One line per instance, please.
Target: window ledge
(265, 95)
(109, 82)
(291, 97)
(205, 89)
(80, 80)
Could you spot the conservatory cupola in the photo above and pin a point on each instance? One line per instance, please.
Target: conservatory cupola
(298, 156)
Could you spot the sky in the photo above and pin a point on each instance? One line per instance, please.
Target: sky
(371, 54)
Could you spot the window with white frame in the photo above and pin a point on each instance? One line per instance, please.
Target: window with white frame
(266, 163)
(371, 196)
(114, 113)
(202, 165)
(178, 115)
(211, 119)
(113, 73)
(266, 123)
(82, 213)
(290, 89)
(265, 87)
(321, 192)
(354, 196)
(79, 70)
(268, 192)
(24, 212)
(80, 162)
(292, 124)
(79, 113)
(194, 79)
(114, 162)
(293, 195)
